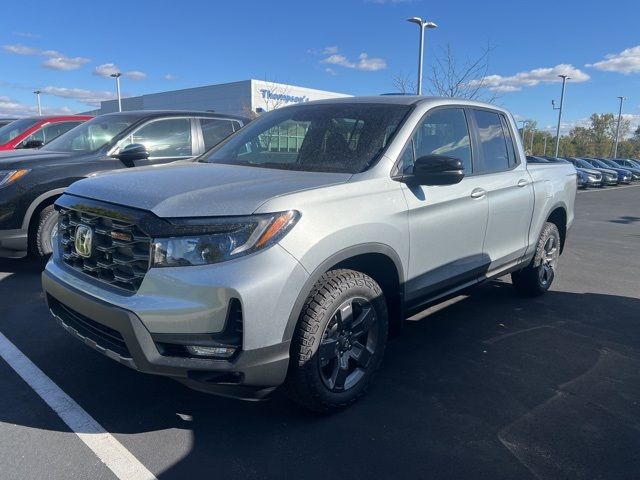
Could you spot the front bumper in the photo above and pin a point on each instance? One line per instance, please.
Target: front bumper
(185, 303)
(250, 375)
(13, 243)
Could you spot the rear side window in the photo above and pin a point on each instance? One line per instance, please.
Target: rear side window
(443, 132)
(494, 144)
(214, 130)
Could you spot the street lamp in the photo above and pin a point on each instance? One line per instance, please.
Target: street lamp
(615, 148)
(422, 24)
(553, 104)
(38, 92)
(117, 76)
(524, 124)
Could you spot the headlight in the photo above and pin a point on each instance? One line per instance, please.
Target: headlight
(221, 240)
(7, 177)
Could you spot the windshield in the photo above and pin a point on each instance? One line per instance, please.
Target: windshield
(340, 138)
(91, 135)
(15, 128)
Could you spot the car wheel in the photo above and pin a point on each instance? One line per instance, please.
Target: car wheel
(339, 341)
(537, 277)
(45, 232)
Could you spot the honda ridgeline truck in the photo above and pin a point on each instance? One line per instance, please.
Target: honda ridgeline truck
(289, 254)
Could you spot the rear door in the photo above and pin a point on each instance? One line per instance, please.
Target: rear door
(508, 186)
(214, 130)
(446, 223)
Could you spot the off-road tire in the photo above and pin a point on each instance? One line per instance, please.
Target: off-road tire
(532, 280)
(305, 383)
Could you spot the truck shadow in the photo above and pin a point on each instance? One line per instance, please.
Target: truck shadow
(489, 386)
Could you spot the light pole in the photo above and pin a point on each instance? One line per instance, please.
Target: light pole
(564, 81)
(615, 148)
(533, 132)
(38, 92)
(117, 76)
(422, 24)
(524, 123)
(544, 150)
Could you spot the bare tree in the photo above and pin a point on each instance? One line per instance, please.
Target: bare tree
(404, 84)
(451, 77)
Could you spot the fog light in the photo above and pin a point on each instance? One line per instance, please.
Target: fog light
(219, 352)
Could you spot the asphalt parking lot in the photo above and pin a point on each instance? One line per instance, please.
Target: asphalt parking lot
(488, 385)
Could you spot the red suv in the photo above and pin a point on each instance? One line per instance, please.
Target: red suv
(34, 132)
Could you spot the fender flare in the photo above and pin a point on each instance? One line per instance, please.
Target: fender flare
(37, 202)
(326, 265)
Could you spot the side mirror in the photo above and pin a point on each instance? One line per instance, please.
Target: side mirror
(32, 144)
(437, 170)
(132, 152)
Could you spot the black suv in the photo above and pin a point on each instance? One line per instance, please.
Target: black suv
(30, 182)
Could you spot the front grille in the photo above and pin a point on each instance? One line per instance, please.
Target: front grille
(103, 336)
(120, 252)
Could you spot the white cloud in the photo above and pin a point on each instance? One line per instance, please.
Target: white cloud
(9, 106)
(56, 60)
(135, 75)
(626, 62)
(21, 49)
(169, 77)
(107, 69)
(88, 97)
(59, 61)
(26, 34)
(514, 83)
(330, 50)
(364, 62)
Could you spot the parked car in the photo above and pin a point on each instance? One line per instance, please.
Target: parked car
(609, 177)
(624, 176)
(6, 120)
(31, 181)
(582, 179)
(594, 178)
(259, 265)
(34, 132)
(627, 162)
(635, 170)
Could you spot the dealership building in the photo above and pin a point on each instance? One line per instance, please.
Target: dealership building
(238, 98)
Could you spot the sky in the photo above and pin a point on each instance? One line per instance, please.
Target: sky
(67, 49)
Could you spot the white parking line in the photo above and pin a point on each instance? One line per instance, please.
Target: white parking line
(607, 189)
(111, 452)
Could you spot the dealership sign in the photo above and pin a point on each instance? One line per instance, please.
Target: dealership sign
(284, 97)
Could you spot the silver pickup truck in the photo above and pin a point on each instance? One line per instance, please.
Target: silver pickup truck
(290, 253)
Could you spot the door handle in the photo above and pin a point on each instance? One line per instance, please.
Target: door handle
(478, 193)
(522, 183)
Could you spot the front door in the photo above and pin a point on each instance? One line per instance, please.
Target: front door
(446, 223)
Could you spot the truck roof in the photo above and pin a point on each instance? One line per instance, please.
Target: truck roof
(405, 100)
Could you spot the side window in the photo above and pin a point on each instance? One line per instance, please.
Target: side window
(445, 132)
(170, 137)
(511, 151)
(37, 135)
(407, 159)
(214, 130)
(54, 130)
(493, 142)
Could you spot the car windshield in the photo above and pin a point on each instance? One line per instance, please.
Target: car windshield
(15, 128)
(91, 135)
(341, 137)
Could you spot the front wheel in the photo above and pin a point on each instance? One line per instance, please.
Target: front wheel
(339, 341)
(536, 278)
(45, 233)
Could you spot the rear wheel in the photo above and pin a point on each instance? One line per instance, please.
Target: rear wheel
(44, 233)
(537, 277)
(339, 341)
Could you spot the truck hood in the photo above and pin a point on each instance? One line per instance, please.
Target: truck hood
(199, 189)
